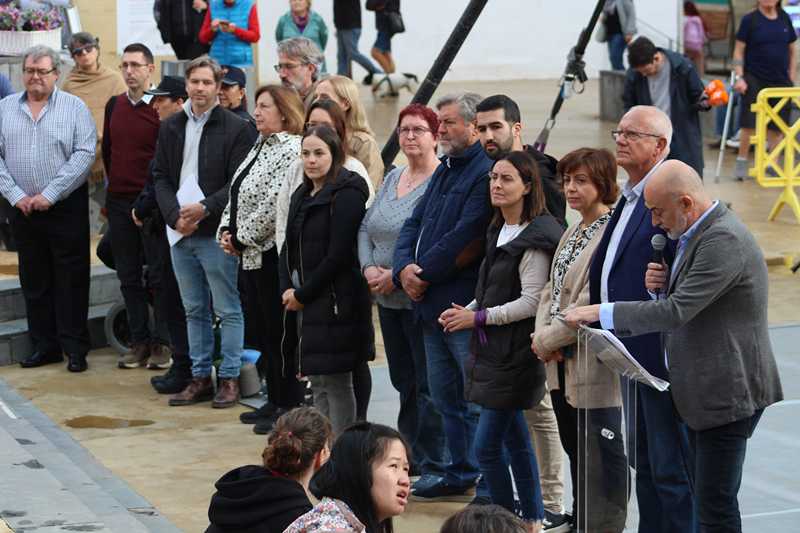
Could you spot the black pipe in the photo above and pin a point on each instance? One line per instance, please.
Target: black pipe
(438, 69)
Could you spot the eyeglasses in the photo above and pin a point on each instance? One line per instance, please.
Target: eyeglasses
(41, 72)
(286, 66)
(132, 66)
(416, 130)
(632, 135)
(83, 50)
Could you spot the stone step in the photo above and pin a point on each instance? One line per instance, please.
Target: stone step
(51, 483)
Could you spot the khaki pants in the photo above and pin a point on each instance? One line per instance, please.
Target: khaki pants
(549, 454)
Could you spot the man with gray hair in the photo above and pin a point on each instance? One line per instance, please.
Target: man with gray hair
(299, 65)
(656, 436)
(436, 263)
(47, 146)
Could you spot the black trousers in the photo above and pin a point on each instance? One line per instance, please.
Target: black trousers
(129, 258)
(167, 296)
(53, 249)
(189, 48)
(263, 304)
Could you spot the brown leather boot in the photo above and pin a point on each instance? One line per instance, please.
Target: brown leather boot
(198, 390)
(227, 393)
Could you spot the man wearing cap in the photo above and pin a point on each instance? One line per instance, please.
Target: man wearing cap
(131, 125)
(168, 99)
(232, 95)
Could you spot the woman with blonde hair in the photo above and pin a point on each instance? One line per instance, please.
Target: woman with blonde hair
(361, 140)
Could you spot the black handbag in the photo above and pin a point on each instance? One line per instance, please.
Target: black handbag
(375, 5)
(396, 24)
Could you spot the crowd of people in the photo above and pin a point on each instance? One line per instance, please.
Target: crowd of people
(282, 231)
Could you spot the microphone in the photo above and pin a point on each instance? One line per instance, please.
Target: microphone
(658, 242)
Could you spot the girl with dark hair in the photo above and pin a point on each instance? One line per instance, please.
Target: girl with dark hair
(328, 329)
(502, 376)
(266, 499)
(483, 519)
(364, 484)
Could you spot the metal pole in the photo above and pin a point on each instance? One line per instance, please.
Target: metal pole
(438, 69)
(726, 126)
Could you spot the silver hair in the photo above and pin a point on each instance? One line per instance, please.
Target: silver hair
(39, 51)
(467, 104)
(660, 123)
(204, 61)
(305, 51)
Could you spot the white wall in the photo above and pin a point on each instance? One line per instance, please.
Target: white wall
(513, 39)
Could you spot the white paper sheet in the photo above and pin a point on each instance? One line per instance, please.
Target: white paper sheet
(189, 193)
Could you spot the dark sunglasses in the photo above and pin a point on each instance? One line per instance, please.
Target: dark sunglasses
(82, 50)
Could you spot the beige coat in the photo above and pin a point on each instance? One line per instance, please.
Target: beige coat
(364, 148)
(589, 384)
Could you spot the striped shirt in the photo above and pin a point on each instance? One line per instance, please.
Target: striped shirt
(50, 155)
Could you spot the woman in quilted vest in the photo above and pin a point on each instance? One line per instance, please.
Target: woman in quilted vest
(231, 27)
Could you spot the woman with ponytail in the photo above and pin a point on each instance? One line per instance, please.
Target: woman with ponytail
(267, 498)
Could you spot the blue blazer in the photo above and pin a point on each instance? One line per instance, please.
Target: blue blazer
(626, 279)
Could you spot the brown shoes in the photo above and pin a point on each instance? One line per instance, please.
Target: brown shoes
(227, 393)
(198, 390)
(160, 357)
(136, 357)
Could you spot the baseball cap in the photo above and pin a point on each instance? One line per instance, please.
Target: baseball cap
(172, 86)
(234, 76)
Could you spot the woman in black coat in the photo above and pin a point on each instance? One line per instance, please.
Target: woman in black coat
(326, 300)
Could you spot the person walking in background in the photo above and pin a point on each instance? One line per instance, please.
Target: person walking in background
(247, 230)
(502, 377)
(382, 49)
(131, 125)
(328, 326)
(347, 20)
(168, 99)
(197, 155)
(436, 262)
(231, 27)
(695, 36)
(302, 21)
(361, 140)
(617, 28)
(765, 55)
(268, 497)
(179, 22)
(418, 420)
(299, 64)
(51, 219)
(585, 393)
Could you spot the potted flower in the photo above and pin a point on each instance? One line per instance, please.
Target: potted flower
(22, 28)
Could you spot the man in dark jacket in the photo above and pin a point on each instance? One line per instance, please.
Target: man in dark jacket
(197, 155)
(500, 130)
(436, 263)
(668, 81)
(179, 22)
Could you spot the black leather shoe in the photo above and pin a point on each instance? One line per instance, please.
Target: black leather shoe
(77, 362)
(173, 382)
(40, 359)
(265, 412)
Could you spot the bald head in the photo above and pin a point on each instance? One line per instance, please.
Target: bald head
(657, 121)
(646, 133)
(676, 197)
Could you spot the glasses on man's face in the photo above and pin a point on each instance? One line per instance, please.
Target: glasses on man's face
(632, 135)
(286, 66)
(41, 72)
(83, 50)
(418, 131)
(133, 65)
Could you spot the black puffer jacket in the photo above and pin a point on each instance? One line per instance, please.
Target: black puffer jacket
(504, 374)
(336, 329)
(250, 499)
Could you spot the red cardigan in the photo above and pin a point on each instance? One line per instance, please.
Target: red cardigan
(249, 35)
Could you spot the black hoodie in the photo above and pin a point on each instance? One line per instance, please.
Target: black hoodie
(250, 499)
(551, 184)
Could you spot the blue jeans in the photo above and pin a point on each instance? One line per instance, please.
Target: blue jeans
(447, 355)
(347, 51)
(660, 441)
(383, 41)
(718, 460)
(204, 272)
(418, 420)
(499, 428)
(616, 47)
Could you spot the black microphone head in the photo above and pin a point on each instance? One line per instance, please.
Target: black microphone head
(658, 242)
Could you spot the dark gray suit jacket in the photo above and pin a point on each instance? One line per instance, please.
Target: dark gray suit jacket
(714, 323)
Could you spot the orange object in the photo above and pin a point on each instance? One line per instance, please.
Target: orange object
(717, 94)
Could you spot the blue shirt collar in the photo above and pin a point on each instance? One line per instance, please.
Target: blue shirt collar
(691, 230)
(633, 193)
(23, 96)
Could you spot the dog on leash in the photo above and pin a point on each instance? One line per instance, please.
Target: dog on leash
(389, 85)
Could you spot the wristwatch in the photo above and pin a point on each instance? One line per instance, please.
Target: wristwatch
(205, 210)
